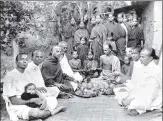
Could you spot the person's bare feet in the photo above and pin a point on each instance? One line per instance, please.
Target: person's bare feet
(133, 112)
(58, 110)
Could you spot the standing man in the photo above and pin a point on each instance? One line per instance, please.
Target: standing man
(53, 74)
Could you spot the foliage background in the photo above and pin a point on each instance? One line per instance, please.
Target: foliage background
(36, 24)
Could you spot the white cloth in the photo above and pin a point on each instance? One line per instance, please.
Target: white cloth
(14, 83)
(65, 66)
(147, 91)
(51, 102)
(129, 85)
(34, 72)
(36, 77)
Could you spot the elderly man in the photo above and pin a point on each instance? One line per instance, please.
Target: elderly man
(53, 74)
(147, 92)
(66, 67)
(34, 72)
(13, 87)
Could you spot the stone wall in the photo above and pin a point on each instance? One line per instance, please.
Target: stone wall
(148, 24)
(157, 41)
(152, 25)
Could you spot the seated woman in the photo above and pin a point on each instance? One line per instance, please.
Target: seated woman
(110, 65)
(90, 66)
(75, 62)
(50, 103)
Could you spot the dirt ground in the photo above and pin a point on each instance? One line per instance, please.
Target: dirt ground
(102, 108)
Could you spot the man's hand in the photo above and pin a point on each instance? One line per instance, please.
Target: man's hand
(60, 86)
(41, 89)
(44, 104)
(36, 100)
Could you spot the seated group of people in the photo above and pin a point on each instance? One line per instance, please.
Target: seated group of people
(32, 87)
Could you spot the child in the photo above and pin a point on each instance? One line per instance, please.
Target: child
(82, 50)
(48, 99)
(75, 63)
(126, 65)
(91, 65)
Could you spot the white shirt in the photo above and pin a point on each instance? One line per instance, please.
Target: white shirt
(148, 89)
(14, 83)
(35, 73)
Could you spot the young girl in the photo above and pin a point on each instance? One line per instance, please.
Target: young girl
(75, 63)
(48, 99)
(82, 50)
(91, 65)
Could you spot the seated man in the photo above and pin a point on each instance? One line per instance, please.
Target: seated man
(110, 65)
(122, 91)
(34, 72)
(53, 74)
(14, 83)
(147, 91)
(135, 63)
(65, 66)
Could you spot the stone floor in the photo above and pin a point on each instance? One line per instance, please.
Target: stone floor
(101, 108)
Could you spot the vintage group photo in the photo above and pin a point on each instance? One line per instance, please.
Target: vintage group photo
(81, 60)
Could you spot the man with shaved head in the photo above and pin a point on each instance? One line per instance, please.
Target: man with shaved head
(34, 72)
(147, 91)
(53, 74)
(65, 66)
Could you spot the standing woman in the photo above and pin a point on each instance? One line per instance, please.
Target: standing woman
(120, 37)
(68, 33)
(136, 35)
(81, 32)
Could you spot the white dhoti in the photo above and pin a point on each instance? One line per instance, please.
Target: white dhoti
(119, 96)
(67, 70)
(51, 103)
(54, 91)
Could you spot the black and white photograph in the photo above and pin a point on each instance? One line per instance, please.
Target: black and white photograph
(81, 60)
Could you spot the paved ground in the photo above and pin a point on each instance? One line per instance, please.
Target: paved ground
(101, 108)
